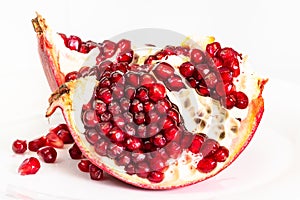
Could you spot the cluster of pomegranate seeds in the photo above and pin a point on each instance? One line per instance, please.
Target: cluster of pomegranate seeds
(75, 43)
(131, 120)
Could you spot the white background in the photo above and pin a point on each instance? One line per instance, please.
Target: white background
(267, 31)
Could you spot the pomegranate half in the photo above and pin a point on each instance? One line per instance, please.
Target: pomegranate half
(156, 118)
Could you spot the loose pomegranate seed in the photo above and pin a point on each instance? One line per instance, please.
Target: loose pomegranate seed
(163, 71)
(48, 154)
(75, 152)
(19, 146)
(197, 56)
(54, 140)
(241, 100)
(156, 176)
(157, 92)
(84, 165)
(29, 166)
(95, 172)
(63, 133)
(34, 145)
(206, 165)
(221, 154)
(186, 69)
(213, 48)
(71, 76)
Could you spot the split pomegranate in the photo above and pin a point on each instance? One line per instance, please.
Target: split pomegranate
(156, 118)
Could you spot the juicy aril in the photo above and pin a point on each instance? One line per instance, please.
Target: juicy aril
(154, 118)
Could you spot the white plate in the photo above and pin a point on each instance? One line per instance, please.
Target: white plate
(266, 165)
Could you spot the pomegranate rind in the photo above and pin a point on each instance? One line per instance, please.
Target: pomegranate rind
(57, 60)
(62, 99)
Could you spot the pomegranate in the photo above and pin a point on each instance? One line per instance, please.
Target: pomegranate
(156, 118)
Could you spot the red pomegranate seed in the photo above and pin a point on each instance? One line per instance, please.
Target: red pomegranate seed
(101, 147)
(104, 128)
(226, 88)
(117, 91)
(48, 154)
(139, 118)
(138, 156)
(133, 143)
(109, 48)
(84, 165)
(54, 140)
(92, 136)
(206, 165)
(163, 106)
(226, 74)
(75, 152)
(159, 140)
(197, 56)
(114, 150)
(123, 159)
(84, 48)
(155, 176)
(152, 129)
(175, 83)
(136, 106)
(209, 147)
(230, 101)
(104, 94)
(211, 80)
(142, 169)
(74, 43)
(34, 145)
(142, 94)
(217, 62)
(29, 166)
(90, 118)
(63, 133)
(132, 79)
(203, 91)
(233, 65)
(65, 38)
(71, 76)
(149, 60)
(186, 69)
(124, 45)
(213, 48)
(163, 71)
(173, 113)
(19, 146)
(242, 100)
(221, 154)
(157, 92)
(148, 106)
(100, 107)
(147, 79)
(193, 82)
(116, 135)
(125, 56)
(227, 53)
(171, 133)
(95, 172)
(114, 108)
(196, 143)
(119, 121)
(174, 150)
